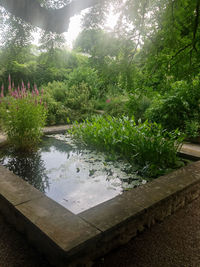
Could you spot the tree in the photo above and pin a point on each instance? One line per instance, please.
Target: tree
(54, 20)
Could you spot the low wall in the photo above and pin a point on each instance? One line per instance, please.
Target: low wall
(69, 239)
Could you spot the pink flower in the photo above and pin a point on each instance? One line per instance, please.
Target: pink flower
(108, 100)
(36, 92)
(2, 90)
(15, 94)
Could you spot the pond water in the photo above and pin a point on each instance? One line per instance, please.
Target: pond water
(70, 174)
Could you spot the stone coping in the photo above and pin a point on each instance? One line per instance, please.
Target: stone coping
(56, 129)
(68, 239)
(47, 130)
(190, 151)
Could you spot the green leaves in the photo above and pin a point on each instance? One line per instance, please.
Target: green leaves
(146, 144)
(23, 120)
(178, 108)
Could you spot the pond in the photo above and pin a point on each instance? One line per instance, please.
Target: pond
(71, 174)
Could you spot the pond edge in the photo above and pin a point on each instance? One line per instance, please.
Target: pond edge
(68, 239)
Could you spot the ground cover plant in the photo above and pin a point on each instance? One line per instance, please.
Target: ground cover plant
(23, 115)
(146, 145)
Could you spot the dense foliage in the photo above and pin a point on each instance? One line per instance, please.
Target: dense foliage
(23, 117)
(147, 145)
(147, 66)
(179, 107)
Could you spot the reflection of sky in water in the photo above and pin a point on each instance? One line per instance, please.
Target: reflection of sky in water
(76, 178)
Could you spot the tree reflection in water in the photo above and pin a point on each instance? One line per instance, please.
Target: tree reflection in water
(29, 167)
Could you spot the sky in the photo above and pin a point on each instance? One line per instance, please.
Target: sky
(75, 27)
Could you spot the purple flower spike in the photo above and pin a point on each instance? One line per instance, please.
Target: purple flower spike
(28, 85)
(36, 92)
(9, 83)
(2, 91)
(16, 93)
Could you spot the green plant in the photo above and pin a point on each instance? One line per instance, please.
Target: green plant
(137, 105)
(66, 103)
(148, 145)
(192, 128)
(87, 76)
(23, 117)
(178, 107)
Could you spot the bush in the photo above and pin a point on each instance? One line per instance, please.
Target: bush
(147, 145)
(57, 113)
(137, 106)
(66, 103)
(178, 107)
(87, 76)
(23, 117)
(112, 105)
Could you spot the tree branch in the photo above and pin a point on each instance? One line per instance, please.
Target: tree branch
(55, 20)
(196, 24)
(180, 50)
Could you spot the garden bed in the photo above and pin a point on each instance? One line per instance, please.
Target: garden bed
(66, 238)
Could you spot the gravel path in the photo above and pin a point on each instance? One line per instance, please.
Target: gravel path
(15, 250)
(174, 243)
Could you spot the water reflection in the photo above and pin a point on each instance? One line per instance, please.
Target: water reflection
(30, 167)
(74, 176)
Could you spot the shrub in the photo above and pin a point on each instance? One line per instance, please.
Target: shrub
(66, 103)
(57, 113)
(23, 117)
(137, 105)
(112, 105)
(178, 107)
(147, 145)
(87, 76)
(57, 90)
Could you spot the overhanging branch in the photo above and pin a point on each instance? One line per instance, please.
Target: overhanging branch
(55, 20)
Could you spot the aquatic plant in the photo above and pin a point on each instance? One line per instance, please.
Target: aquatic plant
(23, 115)
(147, 145)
